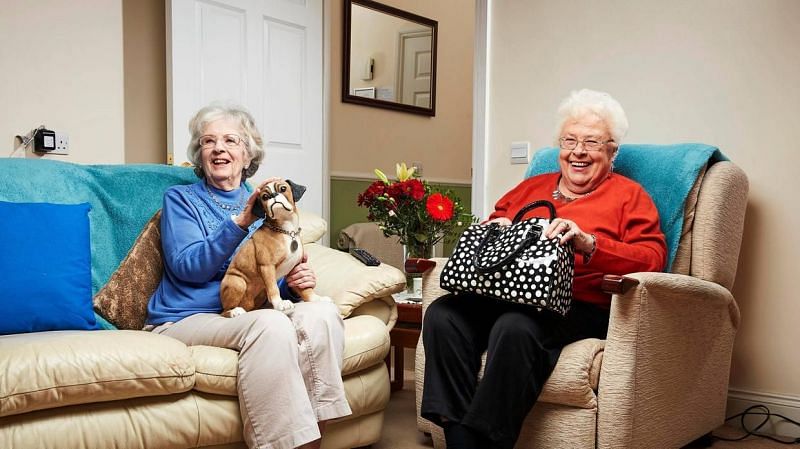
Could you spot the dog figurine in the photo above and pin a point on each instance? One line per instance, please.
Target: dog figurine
(271, 253)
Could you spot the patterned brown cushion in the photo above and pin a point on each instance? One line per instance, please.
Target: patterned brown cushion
(123, 300)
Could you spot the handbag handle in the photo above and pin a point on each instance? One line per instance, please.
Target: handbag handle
(493, 232)
(533, 205)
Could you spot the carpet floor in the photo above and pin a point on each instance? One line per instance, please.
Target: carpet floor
(400, 427)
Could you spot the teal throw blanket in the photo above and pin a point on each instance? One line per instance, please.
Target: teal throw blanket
(123, 199)
(667, 173)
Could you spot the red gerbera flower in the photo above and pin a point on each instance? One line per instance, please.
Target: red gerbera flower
(439, 207)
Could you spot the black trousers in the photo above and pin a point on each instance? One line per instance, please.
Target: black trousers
(523, 347)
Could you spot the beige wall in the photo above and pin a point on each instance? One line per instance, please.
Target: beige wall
(364, 138)
(722, 72)
(93, 69)
(61, 66)
(145, 87)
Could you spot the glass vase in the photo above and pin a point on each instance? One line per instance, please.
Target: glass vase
(414, 280)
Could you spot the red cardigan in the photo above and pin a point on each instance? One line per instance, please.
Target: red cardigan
(619, 213)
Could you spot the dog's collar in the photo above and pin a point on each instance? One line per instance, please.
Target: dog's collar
(292, 234)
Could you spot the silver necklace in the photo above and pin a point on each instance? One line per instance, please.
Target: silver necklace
(227, 207)
(558, 196)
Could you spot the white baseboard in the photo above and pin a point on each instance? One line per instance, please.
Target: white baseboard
(782, 404)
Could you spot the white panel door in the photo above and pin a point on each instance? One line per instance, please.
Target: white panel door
(265, 55)
(414, 76)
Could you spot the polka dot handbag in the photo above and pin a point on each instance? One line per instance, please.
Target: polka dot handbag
(513, 263)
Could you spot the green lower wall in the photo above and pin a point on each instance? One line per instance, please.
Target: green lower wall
(345, 210)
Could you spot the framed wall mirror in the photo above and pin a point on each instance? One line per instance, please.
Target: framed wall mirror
(389, 58)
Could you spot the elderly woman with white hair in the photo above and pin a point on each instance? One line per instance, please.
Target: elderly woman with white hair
(290, 366)
(614, 228)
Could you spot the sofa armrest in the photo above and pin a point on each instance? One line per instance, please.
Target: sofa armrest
(352, 284)
(670, 333)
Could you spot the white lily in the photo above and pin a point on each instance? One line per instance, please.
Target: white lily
(404, 172)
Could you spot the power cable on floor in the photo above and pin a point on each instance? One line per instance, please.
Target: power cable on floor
(764, 411)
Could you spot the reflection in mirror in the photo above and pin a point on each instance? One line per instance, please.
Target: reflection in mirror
(389, 58)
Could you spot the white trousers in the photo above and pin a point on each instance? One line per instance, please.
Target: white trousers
(290, 368)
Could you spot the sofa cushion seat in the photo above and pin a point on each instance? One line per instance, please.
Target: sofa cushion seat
(59, 368)
(574, 380)
(576, 375)
(366, 344)
(215, 369)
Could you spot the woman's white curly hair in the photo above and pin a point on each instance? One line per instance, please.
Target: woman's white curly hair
(587, 101)
(252, 137)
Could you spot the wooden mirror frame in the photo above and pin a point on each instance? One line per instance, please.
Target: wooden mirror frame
(346, 41)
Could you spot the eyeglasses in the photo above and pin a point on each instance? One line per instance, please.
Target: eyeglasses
(229, 141)
(570, 143)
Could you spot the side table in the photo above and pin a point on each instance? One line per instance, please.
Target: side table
(405, 334)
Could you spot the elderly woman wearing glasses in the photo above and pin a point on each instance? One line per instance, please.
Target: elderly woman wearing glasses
(289, 370)
(613, 225)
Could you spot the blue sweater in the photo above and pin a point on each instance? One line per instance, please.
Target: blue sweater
(199, 240)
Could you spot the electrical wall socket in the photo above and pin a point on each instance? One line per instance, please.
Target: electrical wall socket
(62, 143)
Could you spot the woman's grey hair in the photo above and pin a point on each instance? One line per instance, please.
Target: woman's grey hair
(581, 102)
(237, 114)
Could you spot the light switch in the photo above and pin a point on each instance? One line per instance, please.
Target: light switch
(519, 152)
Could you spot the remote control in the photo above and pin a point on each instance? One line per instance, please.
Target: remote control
(365, 257)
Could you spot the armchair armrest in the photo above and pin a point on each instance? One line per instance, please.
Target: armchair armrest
(616, 284)
(430, 282)
(670, 333)
(430, 292)
(352, 284)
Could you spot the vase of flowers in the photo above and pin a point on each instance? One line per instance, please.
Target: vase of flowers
(418, 214)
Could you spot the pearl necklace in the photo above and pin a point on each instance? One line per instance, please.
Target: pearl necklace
(227, 207)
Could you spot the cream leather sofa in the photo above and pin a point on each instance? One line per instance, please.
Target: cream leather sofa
(133, 389)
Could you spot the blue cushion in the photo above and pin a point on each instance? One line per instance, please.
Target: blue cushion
(666, 172)
(45, 261)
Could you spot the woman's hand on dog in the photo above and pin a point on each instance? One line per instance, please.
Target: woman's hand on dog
(302, 276)
(247, 217)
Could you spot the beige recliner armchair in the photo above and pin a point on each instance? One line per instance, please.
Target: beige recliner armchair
(660, 379)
